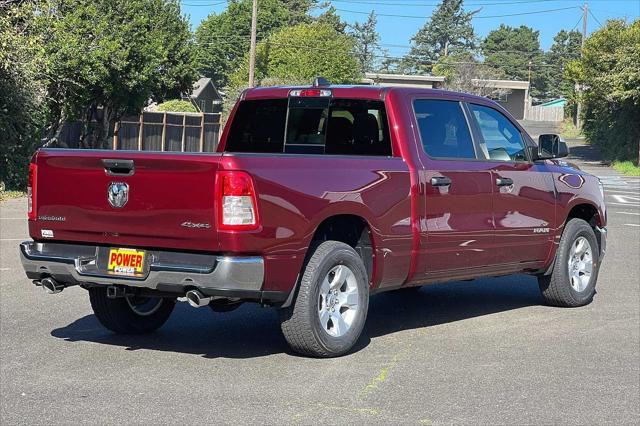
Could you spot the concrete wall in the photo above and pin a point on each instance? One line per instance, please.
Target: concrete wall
(515, 103)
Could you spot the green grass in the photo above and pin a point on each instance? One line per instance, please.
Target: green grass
(627, 167)
(7, 195)
(568, 130)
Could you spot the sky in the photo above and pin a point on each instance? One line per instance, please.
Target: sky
(396, 31)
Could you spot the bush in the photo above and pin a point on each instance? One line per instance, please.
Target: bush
(22, 111)
(610, 72)
(177, 105)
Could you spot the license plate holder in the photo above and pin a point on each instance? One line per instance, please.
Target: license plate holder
(126, 262)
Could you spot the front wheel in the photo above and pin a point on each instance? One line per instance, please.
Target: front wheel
(573, 279)
(332, 302)
(130, 314)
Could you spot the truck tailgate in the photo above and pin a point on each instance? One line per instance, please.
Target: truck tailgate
(170, 198)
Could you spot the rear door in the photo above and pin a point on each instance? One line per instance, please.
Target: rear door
(141, 199)
(457, 231)
(524, 194)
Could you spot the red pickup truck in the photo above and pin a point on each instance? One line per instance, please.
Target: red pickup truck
(317, 198)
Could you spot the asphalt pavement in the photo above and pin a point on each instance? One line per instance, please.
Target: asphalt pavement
(481, 352)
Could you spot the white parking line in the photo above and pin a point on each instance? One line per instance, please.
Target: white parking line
(636, 214)
(623, 204)
(13, 218)
(12, 239)
(626, 198)
(632, 224)
(619, 191)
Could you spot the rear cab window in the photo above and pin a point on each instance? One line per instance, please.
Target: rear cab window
(311, 125)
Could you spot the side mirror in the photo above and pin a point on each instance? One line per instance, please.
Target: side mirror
(551, 146)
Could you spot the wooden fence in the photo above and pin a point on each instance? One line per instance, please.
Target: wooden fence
(539, 113)
(168, 131)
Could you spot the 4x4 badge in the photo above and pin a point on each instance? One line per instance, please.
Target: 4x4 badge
(118, 194)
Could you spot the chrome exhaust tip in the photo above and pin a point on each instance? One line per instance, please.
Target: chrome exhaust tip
(197, 299)
(51, 286)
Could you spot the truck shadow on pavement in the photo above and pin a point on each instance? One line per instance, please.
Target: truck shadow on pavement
(252, 331)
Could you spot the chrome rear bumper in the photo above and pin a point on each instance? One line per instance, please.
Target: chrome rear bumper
(166, 271)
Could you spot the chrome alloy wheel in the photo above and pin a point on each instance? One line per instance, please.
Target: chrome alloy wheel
(338, 301)
(580, 264)
(144, 306)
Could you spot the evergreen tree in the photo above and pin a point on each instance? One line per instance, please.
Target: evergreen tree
(449, 31)
(330, 17)
(566, 47)
(513, 52)
(367, 42)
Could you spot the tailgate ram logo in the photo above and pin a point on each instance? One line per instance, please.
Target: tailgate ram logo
(118, 194)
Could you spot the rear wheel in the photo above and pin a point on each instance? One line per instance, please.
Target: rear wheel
(130, 314)
(332, 302)
(573, 279)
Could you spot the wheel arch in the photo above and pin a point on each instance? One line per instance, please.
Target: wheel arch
(352, 229)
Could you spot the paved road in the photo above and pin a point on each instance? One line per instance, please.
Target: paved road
(482, 352)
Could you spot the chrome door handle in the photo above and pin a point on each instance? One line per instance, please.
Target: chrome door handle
(504, 181)
(440, 181)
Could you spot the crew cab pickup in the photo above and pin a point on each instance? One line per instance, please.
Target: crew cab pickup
(316, 198)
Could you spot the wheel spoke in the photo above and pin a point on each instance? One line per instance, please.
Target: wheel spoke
(325, 286)
(340, 275)
(349, 298)
(339, 323)
(324, 318)
(581, 246)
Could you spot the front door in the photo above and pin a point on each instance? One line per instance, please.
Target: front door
(524, 194)
(457, 227)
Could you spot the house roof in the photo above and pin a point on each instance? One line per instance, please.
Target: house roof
(555, 102)
(501, 84)
(404, 77)
(200, 85)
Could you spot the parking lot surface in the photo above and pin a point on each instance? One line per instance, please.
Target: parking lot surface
(485, 351)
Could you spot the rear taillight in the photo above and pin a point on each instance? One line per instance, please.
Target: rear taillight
(31, 191)
(237, 201)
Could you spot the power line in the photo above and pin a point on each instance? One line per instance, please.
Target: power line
(577, 23)
(594, 17)
(397, 58)
(474, 17)
(421, 4)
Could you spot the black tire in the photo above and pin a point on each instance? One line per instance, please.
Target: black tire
(300, 322)
(556, 288)
(119, 317)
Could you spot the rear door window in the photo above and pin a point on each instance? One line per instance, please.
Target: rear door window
(311, 125)
(443, 129)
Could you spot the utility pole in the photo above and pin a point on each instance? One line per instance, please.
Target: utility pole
(252, 51)
(585, 10)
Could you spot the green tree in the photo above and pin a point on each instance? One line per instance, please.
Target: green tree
(108, 58)
(448, 31)
(367, 42)
(609, 71)
(330, 17)
(21, 93)
(223, 39)
(566, 47)
(513, 52)
(301, 53)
